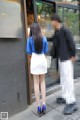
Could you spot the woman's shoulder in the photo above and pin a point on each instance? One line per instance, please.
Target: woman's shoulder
(29, 38)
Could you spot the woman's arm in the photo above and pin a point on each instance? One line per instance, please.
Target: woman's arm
(28, 47)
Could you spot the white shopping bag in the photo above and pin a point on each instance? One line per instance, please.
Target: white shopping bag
(48, 61)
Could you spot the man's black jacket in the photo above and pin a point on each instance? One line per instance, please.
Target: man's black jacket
(63, 43)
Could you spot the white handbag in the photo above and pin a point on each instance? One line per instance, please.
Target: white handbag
(48, 61)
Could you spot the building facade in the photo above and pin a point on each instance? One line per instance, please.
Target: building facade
(16, 16)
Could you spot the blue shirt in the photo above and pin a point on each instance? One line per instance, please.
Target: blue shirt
(30, 48)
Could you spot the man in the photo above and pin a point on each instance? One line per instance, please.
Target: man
(65, 52)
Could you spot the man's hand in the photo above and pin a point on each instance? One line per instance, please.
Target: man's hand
(73, 59)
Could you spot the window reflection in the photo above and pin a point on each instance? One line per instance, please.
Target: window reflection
(45, 12)
(71, 19)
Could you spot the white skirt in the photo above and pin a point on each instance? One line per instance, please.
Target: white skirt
(38, 64)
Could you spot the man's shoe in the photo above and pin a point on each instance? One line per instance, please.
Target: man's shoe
(39, 111)
(44, 109)
(70, 108)
(60, 100)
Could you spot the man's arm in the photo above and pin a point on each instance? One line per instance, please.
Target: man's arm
(71, 44)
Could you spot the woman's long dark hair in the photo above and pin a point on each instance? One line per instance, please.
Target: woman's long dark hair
(35, 32)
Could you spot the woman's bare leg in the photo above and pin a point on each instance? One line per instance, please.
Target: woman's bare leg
(43, 88)
(36, 89)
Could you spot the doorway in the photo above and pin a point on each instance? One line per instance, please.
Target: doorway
(40, 11)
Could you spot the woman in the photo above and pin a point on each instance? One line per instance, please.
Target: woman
(37, 47)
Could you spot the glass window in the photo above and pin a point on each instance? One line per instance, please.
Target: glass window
(70, 18)
(44, 12)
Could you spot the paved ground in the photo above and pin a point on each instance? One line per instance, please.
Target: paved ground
(54, 111)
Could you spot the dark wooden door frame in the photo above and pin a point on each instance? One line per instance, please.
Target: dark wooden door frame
(28, 76)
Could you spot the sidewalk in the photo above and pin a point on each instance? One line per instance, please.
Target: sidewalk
(54, 111)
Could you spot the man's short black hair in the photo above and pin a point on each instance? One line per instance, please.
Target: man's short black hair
(56, 17)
